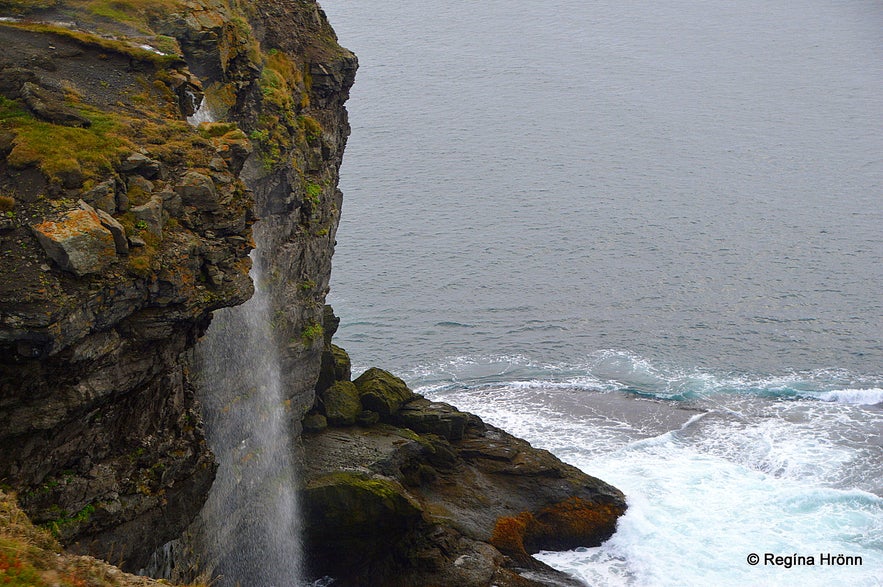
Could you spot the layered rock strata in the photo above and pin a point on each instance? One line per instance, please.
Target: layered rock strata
(123, 227)
(137, 148)
(401, 490)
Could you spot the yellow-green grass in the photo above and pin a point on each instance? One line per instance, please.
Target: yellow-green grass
(56, 149)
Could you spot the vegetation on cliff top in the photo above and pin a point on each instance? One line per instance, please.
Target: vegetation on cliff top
(59, 151)
(31, 557)
(137, 14)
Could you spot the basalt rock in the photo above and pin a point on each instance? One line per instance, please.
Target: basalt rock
(151, 214)
(102, 433)
(382, 392)
(116, 230)
(341, 404)
(103, 196)
(49, 107)
(463, 510)
(335, 366)
(77, 241)
(198, 190)
(453, 501)
(424, 416)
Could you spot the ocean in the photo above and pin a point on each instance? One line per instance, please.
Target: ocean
(646, 236)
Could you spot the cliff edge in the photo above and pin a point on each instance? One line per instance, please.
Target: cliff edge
(139, 143)
(125, 220)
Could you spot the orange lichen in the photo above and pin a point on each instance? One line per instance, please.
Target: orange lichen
(508, 535)
(566, 524)
(576, 519)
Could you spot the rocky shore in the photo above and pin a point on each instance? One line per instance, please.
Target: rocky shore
(123, 226)
(401, 490)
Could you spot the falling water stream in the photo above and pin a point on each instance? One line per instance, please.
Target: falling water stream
(250, 518)
(251, 512)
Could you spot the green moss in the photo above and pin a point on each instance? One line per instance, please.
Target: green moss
(274, 88)
(168, 45)
(58, 149)
(381, 488)
(140, 264)
(104, 14)
(260, 135)
(211, 130)
(19, 6)
(310, 126)
(311, 333)
(114, 10)
(313, 191)
(382, 392)
(58, 526)
(238, 41)
(280, 79)
(131, 49)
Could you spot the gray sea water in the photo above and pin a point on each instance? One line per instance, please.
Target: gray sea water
(646, 236)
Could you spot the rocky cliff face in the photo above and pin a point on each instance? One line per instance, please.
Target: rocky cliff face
(124, 225)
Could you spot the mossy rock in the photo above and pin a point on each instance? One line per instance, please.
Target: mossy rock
(315, 423)
(336, 366)
(359, 502)
(342, 405)
(367, 418)
(424, 416)
(382, 392)
(342, 364)
(351, 518)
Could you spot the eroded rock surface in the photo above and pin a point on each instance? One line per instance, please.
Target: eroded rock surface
(123, 226)
(425, 494)
(104, 290)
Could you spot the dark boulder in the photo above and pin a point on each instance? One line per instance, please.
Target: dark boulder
(341, 402)
(382, 392)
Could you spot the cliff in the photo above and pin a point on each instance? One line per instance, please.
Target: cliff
(124, 227)
(126, 216)
(32, 557)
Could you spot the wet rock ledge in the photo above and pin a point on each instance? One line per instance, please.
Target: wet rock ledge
(401, 490)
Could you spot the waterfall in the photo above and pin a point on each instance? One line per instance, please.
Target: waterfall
(249, 522)
(251, 514)
(203, 113)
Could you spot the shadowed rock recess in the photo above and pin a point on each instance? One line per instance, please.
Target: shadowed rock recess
(124, 225)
